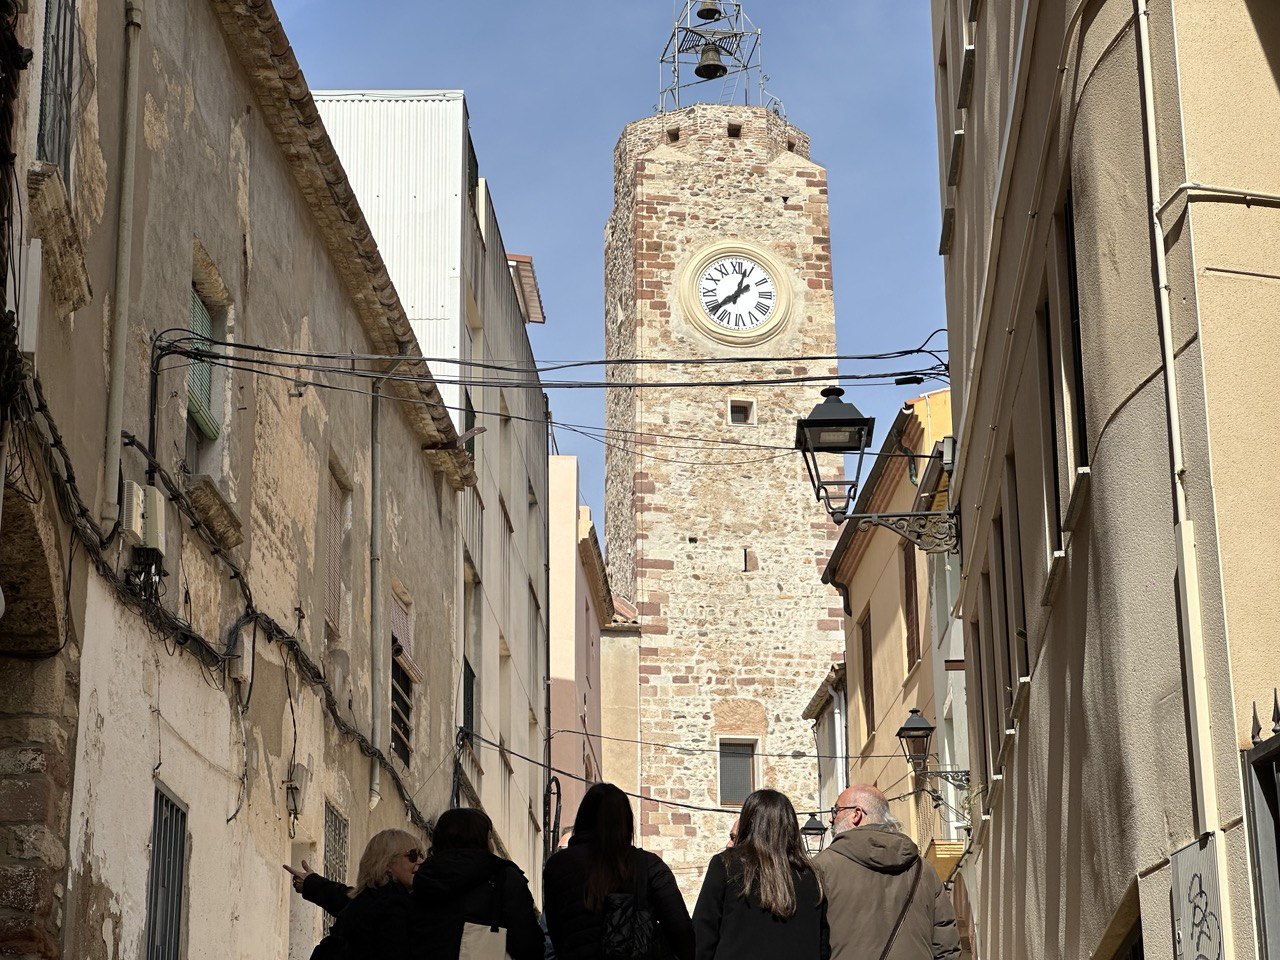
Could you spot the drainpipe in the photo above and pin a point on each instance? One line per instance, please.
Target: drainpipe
(378, 649)
(1208, 820)
(124, 264)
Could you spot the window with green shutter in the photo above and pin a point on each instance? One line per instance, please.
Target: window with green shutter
(200, 373)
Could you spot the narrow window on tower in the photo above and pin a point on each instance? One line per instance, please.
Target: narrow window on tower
(735, 131)
(742, 412)
(737, 771)
(673, 135)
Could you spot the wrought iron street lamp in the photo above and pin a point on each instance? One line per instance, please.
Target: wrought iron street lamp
(814, 833)
(836, 427)
(915, 735)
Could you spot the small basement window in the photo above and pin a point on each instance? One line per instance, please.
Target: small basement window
(735, 131)
(673, 135)
(742, 412)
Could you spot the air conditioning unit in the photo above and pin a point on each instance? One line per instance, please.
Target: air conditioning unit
(153, 519)
(27, 273)
(131, 511)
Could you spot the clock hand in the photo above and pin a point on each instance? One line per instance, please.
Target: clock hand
(733, 297)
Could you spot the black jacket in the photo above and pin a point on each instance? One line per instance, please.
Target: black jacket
(576, 931)
(459, 886)
(375, 925)
(731, 926)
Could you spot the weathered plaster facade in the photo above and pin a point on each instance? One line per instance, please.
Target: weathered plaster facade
(1116, 639)
(239, 197)
(719, 546)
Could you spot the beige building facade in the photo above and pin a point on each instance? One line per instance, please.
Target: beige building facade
(718, 246)
(894, 642)
(581, 607)
(1111, 218)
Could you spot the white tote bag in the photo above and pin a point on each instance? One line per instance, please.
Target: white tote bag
(483, 942)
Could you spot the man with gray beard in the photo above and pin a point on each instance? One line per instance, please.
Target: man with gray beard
(883, 901)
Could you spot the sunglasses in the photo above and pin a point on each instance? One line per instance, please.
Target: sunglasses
(414, 855)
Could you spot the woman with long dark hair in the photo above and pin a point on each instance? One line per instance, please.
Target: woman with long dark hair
(603, 897)
(761, 898)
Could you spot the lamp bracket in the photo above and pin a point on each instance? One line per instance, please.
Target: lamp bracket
(933, 532)
(960, 779)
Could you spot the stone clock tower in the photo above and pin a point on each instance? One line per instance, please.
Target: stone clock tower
(718, 247)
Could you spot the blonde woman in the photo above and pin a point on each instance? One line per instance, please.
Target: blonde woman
(373, 917)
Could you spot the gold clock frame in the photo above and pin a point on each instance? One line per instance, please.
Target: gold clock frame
(691, 306)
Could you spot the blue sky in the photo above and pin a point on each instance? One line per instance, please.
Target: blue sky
(550, 85)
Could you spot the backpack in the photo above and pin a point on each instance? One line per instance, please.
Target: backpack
(631, 932)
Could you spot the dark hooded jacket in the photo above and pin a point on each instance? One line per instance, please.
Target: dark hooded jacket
(457, 887)
(375, 924)
(866, 875)
(577, 932)
(731, 925)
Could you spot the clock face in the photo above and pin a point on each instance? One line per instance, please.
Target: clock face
(737, 293)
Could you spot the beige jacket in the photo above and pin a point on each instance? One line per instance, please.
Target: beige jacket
(866, 876)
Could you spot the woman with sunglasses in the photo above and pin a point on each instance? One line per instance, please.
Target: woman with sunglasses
(463, 888)
(374, 916)
(761, 899)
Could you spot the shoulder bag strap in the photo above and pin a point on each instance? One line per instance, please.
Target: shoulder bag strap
(911, 896)
(499, 885)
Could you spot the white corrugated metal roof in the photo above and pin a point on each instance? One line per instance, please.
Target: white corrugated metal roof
(405, 153)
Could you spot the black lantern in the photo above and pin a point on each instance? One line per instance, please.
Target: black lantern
(814, 833)
(914, 735)
(834, 427)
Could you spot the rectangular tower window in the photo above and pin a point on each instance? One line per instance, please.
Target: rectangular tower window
(167, 877)
(735, 131)
(742, 412)
(673, 135)
(737, 771)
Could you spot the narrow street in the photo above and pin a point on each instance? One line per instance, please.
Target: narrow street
(463, 501)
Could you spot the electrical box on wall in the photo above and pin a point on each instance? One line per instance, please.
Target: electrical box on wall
(131, 511)
(153, 519)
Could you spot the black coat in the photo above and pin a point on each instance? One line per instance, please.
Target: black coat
(730, 926)
(576, 931)
(465, 886)
(374, 925)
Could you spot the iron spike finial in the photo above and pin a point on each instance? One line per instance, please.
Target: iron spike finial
(1255, 733)
(1275, 711)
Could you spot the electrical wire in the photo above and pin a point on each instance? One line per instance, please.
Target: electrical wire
(795, 755)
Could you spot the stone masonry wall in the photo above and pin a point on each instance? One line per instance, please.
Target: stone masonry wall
(725, 543)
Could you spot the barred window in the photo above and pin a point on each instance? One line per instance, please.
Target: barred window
(54, 142)
(167, 877)
(403, 672)
(737, 771)
(335, 850)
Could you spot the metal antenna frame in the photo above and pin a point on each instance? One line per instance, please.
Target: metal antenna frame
(741, 45)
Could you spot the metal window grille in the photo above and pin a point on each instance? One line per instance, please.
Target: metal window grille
(737, 771)
(57, 88)
(200, 373)
(911, 602)
(401, 711)
(868, 673)
(334, 525)
(167, 877)
(335, 850)
(468, 697)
